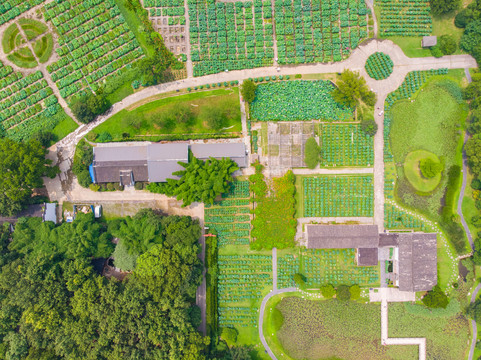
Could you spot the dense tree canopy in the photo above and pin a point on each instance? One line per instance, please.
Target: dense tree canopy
(54, 306)
(447, 44)
(248, 90)
(351, 89)
(440, 7)
(89, 106)
(201, 181)
(22, 166)
(436, 298)
(473, 152)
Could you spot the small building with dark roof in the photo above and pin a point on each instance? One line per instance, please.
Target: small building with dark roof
(235, 151)
(429, 41)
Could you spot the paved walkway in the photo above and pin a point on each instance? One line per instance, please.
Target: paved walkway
(473, 324)
(385, 340)
(261, 317)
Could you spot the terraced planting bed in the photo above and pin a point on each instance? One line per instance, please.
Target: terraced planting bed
(27, 104)
(318, 31)
(230, 35)
(230, 217)
(379, 66)
(338, 196)
(320, 267)
(96, 44)
(298, 100)
(405, 18)
(345, 145)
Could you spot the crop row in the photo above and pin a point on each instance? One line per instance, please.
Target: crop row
(346, 145)
(379, 66)
(10, 9)
(398, 219)
(297, 100)
(338, 196)
(405, 17)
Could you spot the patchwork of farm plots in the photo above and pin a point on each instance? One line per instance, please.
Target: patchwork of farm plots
(173, 10)
(325, 266)
(345, 145)
(231, 216)
(399, 219)
(298, 100)
(318, 31)
(96, 44)
(230, 35)
(405, 17)
(27, 104)
(10, 9)
(338, 196)
(242, 282)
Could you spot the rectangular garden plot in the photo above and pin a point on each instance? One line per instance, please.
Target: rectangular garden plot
(298, 100)
(242, 281)
(328, 266)
(318, 31)
(405, 17)
(230, 217)
(338, 196)
(96, 44)
(345, 145)
(230, 35)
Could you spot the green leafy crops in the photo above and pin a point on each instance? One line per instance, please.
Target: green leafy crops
(379, 66)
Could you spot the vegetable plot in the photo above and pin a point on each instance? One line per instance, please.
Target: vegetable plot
(345, 145)
(230, 35)
(96, 44)
(318, 31)
(10, 9)
(338, 196)
(27, 104)
(397, 219)
(405, 17)
(173, 10)
(379, 66)
(298, 100)
(231, 216)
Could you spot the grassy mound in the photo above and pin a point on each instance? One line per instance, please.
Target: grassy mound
(412, 171)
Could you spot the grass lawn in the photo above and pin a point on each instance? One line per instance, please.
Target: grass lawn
(147, 120)
(23, 58)
(351, 330)
(121, 93)
(413, 173)
(9, 38)
(63, 128)
(430, 121)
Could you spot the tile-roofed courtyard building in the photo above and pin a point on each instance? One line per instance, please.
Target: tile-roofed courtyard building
(415, 263)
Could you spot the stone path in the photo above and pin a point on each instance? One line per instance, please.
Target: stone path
(385, 340)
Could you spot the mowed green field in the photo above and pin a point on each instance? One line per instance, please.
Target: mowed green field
(314, 330)
(149, 119)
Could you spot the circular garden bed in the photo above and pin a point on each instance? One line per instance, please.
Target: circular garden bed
(412, 170)
(20, 38)
(379, 66)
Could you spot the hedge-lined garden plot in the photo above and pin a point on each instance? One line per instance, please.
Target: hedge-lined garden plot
(405, 17)
(298, 100)
(230, 35)
(241, 281)
(338, 196)
(10, 9)
(230, 217)
(412, 83)
(95, 42)
(379, 66)
(173, 10)
(325, 266)
(400, 219)
(345, 145)
(320, 31)
(27, 104)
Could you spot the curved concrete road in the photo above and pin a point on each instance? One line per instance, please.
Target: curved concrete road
(261, 317)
